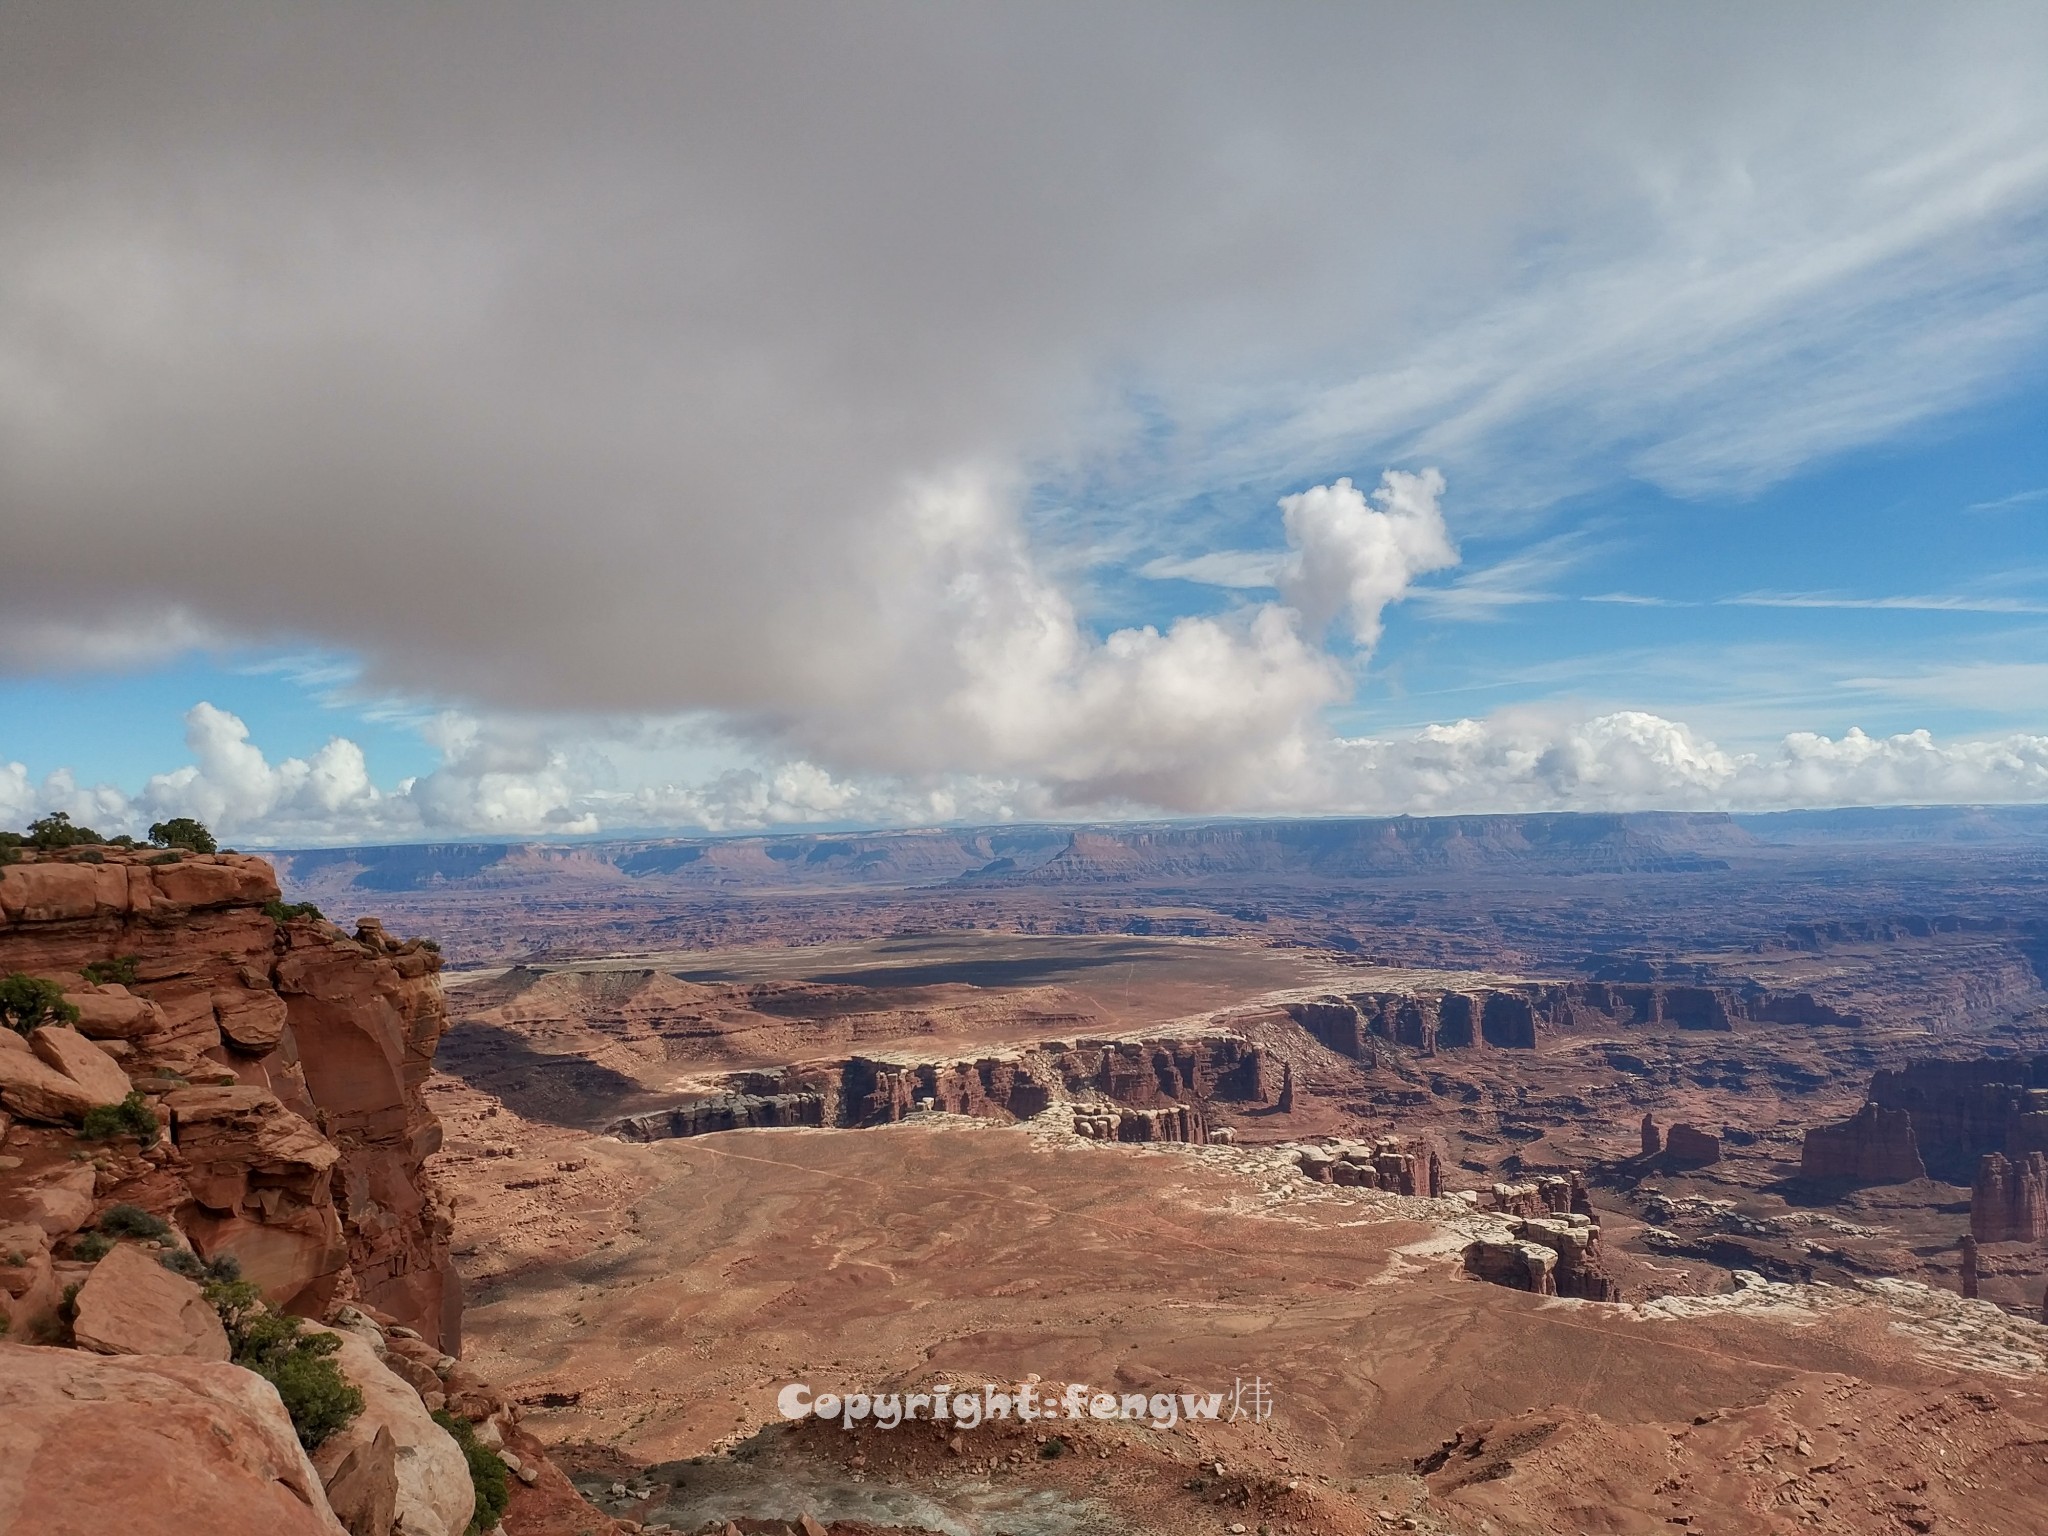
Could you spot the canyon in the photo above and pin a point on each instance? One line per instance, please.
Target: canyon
(1498, 1174)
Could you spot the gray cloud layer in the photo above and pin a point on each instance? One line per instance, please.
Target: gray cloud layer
(646, 358)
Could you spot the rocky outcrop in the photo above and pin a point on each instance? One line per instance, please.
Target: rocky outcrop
(282, 1063)
(260, 1179)
(430, 1490)
(1963, 1109)
(1389, 1163)
(1514, 1015)
(131, 1305)
(1687, 1146)
(1653, 1136)
(285, 1057)
(1109, 1122)
(722, 1112)
(1513, 1262)
(1165, 1075)
(1552, 1213)
(150, 1446)
(1876, 1145)
(2009, 1201)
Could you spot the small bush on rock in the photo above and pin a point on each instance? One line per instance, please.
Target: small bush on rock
(282, 912)
(214, 1271)
(91, 1247)
(119, 972)
(27, 1003)
(126, 1220)
(486, 1472)
(131, 1117)
(301, 1366)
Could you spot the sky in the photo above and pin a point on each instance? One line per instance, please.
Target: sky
(501, 420)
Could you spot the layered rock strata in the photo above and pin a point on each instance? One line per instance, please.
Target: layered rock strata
(1389, 1163)
(1875, 1145)
(285, 1056)
(1166, 1075)
(270, 1070)
(2009, 1201)
(1514, 1015)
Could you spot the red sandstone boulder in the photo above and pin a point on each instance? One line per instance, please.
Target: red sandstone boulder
(250, 1020)
(434, 1495)
(28, 1284)
(70, 1053)
(35, 1090)
(131, 1305)
(114, 1013)
(214, 881)
(92, 1445)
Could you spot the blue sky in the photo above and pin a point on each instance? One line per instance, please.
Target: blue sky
(893, 423)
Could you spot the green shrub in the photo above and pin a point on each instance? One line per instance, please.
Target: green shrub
(223, 1268)
(133, 1221)
(301, 1366)
(29, 1002)
(183, 832)
(486, 1471)
(119, 972)
(91, 1247)
(57, 831)
(131, 1117)
(281, 912)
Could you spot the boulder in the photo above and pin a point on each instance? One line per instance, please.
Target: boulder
(434, 1495)
(61, 1202)
(28, 1283)
(362, 1487)
(250, 1020)
(146, 1446)
(132, 1305)
(114, 1013)
(35, 1090)
(48, 893)
(69, 1052)
(215, 881)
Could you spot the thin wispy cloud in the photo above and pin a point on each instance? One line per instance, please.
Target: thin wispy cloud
(1918, 603)
(2017, 499)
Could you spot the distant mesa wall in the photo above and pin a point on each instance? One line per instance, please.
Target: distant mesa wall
(1166, 1074)
(1875, 1145)
(1514, 1015)
(1963, 1109)
(2009, 1201)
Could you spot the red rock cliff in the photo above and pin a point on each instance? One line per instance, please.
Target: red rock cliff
(285, 1057)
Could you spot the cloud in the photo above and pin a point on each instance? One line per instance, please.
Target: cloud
(695, 361)
(1920, 603)
(2017, 499)
(515, 779)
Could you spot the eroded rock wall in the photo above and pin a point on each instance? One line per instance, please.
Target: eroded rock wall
(284, 1056)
